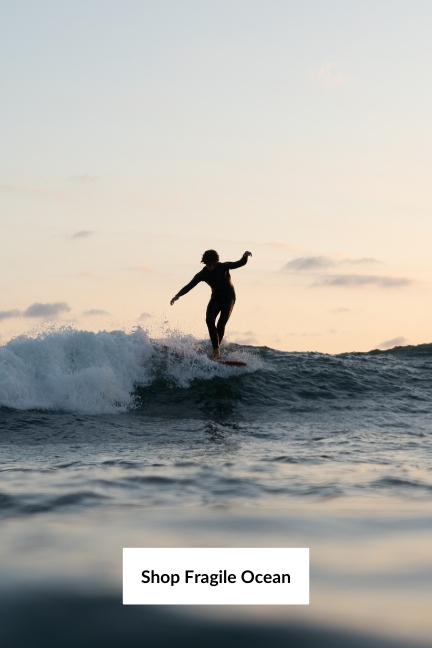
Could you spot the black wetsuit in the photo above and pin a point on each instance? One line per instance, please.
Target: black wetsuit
(222, 299)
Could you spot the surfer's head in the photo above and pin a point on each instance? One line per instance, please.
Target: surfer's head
(210, 257)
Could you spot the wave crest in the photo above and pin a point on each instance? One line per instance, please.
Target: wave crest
(96, 373)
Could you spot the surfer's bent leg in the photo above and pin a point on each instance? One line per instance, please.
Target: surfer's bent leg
(213, 310)
(226, 310)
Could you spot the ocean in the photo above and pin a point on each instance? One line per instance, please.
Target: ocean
(114, 439)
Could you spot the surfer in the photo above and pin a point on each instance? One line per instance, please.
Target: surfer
(223, 296)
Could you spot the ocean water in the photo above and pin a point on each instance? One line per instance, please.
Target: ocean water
(114, 439)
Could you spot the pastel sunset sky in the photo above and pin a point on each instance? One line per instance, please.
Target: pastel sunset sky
(136, 134)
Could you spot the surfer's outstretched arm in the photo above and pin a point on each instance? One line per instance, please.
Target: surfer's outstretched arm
(232, 265)
(195, 281)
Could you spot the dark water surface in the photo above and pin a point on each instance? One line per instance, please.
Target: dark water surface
(112, 439)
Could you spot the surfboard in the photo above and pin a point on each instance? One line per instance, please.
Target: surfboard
(232, 363)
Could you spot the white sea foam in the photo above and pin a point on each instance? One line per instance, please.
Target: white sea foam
(97, 373)
(73, 370)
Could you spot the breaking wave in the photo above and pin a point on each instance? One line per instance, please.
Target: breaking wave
(115, 371)
(98, 373)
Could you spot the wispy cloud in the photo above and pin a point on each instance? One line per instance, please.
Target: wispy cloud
(82, 234)
(10, 313)
(321, 262)
(37, 310)
(46, 310)
(95, 311)
(327, 78)
(307, 263)
(389, 344)
(358, 281)
(362, 261)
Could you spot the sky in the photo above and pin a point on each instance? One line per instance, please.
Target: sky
(134, 135)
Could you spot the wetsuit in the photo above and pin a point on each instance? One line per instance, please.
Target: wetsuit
(222, 298)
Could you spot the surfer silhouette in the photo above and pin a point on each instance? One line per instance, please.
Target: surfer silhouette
(222, 300)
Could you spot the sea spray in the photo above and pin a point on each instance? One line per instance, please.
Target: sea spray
(97, 373)
(74, 370)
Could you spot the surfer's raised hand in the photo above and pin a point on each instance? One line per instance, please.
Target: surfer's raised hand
(246, 254)
(174, 299)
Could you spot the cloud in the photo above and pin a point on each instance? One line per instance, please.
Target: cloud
(141, 268)
(46, 310)
(326, 77)
(82, 234)
(37, 310)
(95, 311)
(361, 261)
(306, 263)
(311, 263)
(10, 313)
(357, 281)
(144, 316)
(389, 344)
